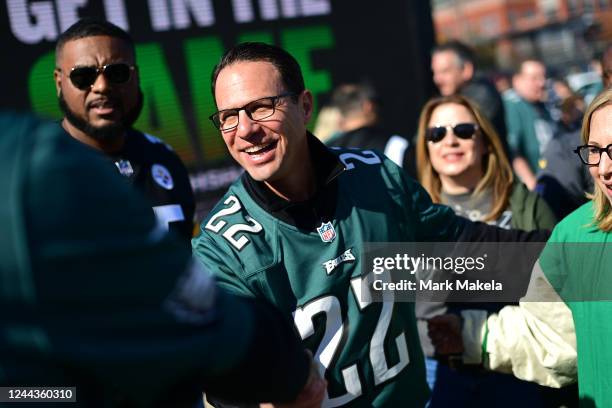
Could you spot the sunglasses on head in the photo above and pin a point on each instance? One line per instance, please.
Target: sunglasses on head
(84, 77)
(461, 130)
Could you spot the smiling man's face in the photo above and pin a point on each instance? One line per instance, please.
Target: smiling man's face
(273, 149)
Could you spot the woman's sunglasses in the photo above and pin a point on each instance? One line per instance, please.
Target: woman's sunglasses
(85, 77)
(461, 130)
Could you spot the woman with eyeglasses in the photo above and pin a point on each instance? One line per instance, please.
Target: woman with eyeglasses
(461, 163)
(561, 331)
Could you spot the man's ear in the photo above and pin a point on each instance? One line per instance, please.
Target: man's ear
(468, 71)
(307, 105)
(57, 77)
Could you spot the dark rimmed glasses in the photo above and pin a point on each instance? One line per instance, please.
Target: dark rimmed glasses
(260, 109)
(591, 154)
(116, 73)
(461, 130)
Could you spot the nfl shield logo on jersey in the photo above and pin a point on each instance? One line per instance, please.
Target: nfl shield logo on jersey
(125, 168)
(162, 176)
(327, 232)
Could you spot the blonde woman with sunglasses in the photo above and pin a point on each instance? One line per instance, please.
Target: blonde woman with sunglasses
(461, 163)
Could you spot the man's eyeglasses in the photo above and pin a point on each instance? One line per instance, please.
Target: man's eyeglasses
(591, 155)
(260, 109)
(84, 77)
(461, 130)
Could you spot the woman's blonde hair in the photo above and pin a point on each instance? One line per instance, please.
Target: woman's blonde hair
(497, 173)
(603, 215)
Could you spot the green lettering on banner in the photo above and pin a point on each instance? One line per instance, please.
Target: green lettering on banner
(300, 42)
(201, 56)
(41, 87)
(161, 114)
(257, 36)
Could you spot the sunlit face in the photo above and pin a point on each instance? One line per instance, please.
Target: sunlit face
(457, 161)
(600, 134)
(104, 104)
(274, 148)
(530, 81)
(448, 73)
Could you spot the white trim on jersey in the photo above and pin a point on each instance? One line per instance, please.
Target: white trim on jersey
(395, 149)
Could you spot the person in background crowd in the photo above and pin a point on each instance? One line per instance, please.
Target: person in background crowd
(563, 180)
(462, 164)
(327, 124)
(558, 90)
(97, 295)
(454, 72)
(97, 83)
(561, 331)
(530, 127)
(359, 126)
(502, 82)
(606, 66)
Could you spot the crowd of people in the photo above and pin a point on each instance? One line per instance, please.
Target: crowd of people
(264, 305)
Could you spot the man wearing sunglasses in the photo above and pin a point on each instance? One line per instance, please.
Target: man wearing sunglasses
(97, 85)
(292, 228)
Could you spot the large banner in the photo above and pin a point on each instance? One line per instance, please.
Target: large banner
(178, 43)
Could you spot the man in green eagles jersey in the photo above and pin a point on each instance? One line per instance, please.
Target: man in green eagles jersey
(290, 230)
(95, 294)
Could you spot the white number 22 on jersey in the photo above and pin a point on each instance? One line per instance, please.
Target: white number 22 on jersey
(233, 233)
(334, 331)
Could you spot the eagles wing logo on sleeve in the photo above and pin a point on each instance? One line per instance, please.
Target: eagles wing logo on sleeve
(162, 176)
(330, 265)
(327, 232)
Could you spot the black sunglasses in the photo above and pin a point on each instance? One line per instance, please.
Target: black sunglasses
(84, 77)
(461, 130)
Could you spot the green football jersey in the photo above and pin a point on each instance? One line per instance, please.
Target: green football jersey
(369, 352)
(577, 264)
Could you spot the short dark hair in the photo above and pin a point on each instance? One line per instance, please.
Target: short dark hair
(463, 52)
(287, 66)
(349, 98)
(91, 27)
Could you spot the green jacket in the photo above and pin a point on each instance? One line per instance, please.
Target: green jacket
(529, 210)
(530, 128)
